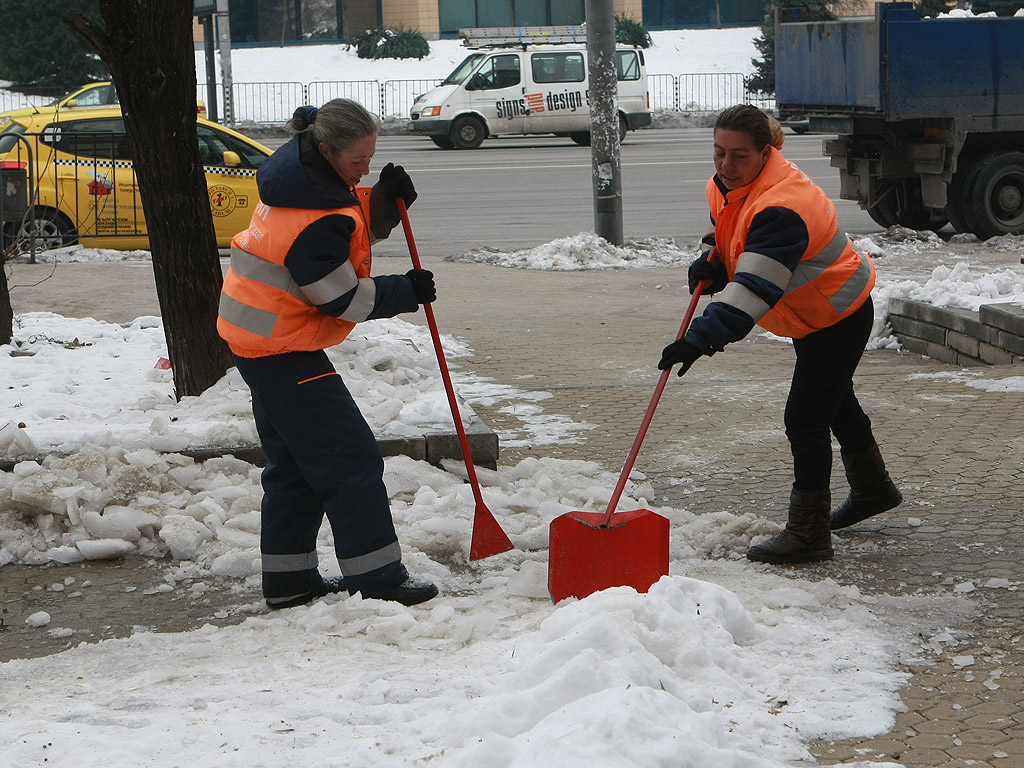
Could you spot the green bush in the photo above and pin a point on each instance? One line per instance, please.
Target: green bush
(390, 44)
(631, 32)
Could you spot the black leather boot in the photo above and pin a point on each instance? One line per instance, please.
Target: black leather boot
(806, 538)
(872, 491)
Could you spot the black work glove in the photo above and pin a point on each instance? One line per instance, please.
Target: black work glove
(702, 269)
(422, 285)
(679, 352)
(395, 183)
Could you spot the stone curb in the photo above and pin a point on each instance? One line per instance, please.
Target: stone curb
(992, 336)
(432, 447)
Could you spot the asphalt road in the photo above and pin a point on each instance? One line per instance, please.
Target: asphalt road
(521, 192)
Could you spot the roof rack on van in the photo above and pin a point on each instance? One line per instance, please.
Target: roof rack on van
(496, 37)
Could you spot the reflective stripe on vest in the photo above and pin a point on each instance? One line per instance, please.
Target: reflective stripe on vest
(842, 277)
(263, 311)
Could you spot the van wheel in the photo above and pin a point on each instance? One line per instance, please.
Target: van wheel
(467, 133)
(52, 230)
(443, 142)
(580, 137)
(623, 127)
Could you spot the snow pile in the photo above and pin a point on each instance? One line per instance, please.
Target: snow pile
(587, 250)
(85, 381)
(689, 675)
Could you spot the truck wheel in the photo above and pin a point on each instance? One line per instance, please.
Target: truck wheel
(901, 204)
(443, 142)
(580, 137)
(882, 216)
(997, 195)
(467, 133)
(883, 212)
(623, 127)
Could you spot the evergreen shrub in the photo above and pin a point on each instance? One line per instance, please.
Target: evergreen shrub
(631, 32)
(390, 44)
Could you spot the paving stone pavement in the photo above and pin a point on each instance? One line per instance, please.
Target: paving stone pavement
(591, 340)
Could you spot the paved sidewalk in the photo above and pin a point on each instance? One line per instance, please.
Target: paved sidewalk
(591, 340)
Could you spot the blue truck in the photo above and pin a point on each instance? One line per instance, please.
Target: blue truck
(928, 114)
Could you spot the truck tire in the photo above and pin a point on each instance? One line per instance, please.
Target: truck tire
(443, 142)
(997, 195)
(883, 212)
(901, 204)
(467, 133)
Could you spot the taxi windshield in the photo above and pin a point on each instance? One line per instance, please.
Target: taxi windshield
(464, 69)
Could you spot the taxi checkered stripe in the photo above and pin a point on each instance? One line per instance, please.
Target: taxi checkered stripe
(102, 163)
(128, 164)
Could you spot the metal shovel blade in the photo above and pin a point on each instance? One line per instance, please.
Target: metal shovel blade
(585, 557)
(488, 537)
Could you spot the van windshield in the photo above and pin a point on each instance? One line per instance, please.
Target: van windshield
(463, 70)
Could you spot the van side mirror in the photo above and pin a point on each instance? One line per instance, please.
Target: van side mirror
(476, 83)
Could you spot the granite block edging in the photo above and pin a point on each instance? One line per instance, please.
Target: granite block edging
(432, 446)
(992, 336)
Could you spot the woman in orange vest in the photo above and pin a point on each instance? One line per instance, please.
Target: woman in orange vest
(299, 282)
(783, 263)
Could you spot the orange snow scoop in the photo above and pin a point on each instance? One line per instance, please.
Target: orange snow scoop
(488, 537)
(591, 551)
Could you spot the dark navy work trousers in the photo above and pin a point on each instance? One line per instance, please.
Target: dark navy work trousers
(322, 457)
(821, 398)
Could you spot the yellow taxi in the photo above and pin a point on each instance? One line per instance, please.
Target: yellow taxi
(90, 96)
(85, 187)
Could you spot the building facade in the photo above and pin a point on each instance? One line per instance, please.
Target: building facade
(294, 22)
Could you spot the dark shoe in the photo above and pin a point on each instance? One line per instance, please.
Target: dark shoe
(872, 491)
(409, 592)
(806, 538)
(325, 587)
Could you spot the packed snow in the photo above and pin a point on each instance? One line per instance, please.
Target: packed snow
(730, 664)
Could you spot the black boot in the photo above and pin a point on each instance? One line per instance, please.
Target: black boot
(409, 592)
(872, 491)
(318, 588)
(806, 538)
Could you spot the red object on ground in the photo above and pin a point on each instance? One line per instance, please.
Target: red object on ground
(590, 551)
(488, 537)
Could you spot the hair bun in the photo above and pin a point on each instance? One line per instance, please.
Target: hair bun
(311, 114)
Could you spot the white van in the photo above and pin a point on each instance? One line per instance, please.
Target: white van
(541, 88)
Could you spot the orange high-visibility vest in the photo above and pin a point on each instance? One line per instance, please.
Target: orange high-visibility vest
(262, 310)
(831, 281)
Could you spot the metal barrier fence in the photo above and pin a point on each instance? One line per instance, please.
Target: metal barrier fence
(274, 102)
(392, 99)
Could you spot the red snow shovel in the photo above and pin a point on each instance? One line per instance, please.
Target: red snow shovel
(488, 537)
(591, 551)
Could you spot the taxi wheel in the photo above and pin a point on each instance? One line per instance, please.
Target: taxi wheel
(52, 229)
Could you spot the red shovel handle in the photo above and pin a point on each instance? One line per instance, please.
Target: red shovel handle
(442, 364)
(662, 381)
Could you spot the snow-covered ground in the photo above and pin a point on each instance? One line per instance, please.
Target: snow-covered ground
(730, 665)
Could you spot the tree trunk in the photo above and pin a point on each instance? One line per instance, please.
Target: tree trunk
(6, 310)
(147, 46)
